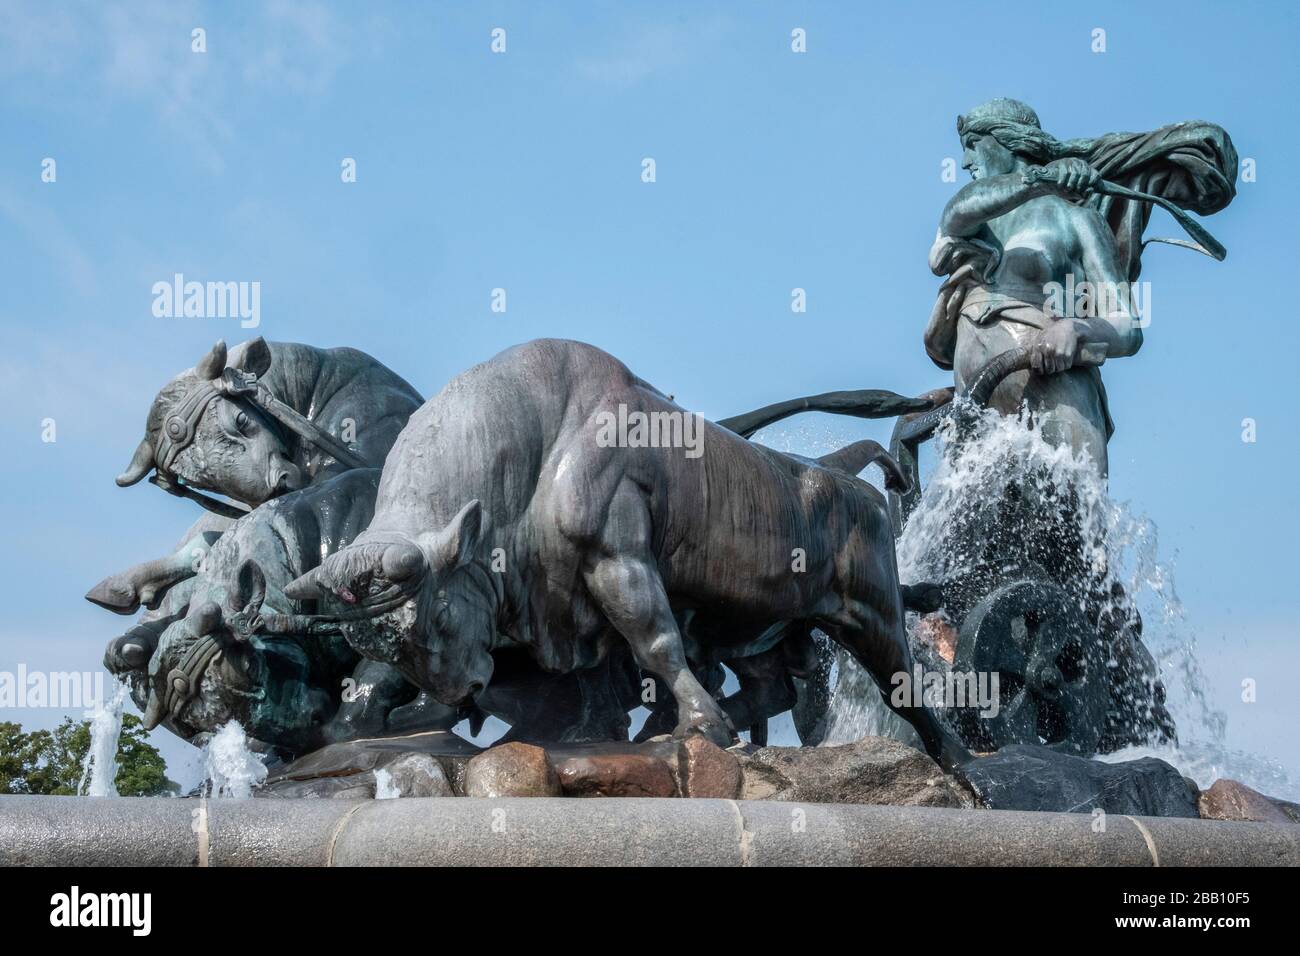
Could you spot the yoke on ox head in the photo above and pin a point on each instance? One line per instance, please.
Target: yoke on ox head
(202, 431)
(420, 603)
(213, 666)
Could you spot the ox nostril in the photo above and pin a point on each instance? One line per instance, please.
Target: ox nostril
(475, 688)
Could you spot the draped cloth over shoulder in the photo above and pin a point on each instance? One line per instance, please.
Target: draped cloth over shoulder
(1192, 164)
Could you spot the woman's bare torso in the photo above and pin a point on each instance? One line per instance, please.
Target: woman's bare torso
(1041, 242)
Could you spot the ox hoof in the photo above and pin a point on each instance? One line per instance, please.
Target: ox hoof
(714, 731)
(114, 595)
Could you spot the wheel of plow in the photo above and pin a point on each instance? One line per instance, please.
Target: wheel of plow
(1050, 667)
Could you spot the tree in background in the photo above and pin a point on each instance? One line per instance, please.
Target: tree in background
(51, 761)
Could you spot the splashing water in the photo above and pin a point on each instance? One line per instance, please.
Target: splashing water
(231, 769)
(385, 789)
(1117, 551)
(99, 768)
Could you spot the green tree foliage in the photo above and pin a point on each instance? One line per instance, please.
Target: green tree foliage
(51, 761)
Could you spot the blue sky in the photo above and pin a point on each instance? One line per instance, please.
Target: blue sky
(522, 171)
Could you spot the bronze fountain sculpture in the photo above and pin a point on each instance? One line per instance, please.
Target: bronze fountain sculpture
(550, 534)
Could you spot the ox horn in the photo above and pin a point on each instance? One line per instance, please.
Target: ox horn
(141, 464)
(214, 363)
(153, 712)
(304, 588)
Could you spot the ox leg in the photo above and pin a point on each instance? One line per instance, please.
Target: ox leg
(626, 586)
(147, 583)
(602, 716)
(766, 689)
(882, 650)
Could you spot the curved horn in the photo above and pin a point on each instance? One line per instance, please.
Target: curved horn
(214, 363)
(153, 712)
(306, 587)
(141, 464)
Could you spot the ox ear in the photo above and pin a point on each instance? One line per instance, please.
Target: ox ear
(307, 587)
(455, 544)
(214, 363)
(141, 464)
(256, 357)
(248, 587)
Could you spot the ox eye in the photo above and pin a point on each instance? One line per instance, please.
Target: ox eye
(242, 421)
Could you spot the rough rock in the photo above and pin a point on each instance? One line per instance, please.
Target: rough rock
(706, 770)
(1027, 777)
(304, 776)
(413, 775)
(876, 770)
(1232, 800)
(617, 775)
(511, 770)
(357, 786)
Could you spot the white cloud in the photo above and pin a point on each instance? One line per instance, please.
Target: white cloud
(649, 49)
(99, 56)
(46, 235)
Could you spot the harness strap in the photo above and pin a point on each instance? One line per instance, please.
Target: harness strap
(236, 384)
(180, 426)
(178, 429)
(215, 505)
(305, 428)
(183, 681)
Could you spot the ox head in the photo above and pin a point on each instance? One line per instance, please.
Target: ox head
(213, 441)
(212, 666)
(421, 604)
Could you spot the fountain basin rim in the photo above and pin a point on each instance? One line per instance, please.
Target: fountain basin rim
(463, 831)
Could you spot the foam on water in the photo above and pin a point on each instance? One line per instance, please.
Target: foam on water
(1121, 546)
(231, 769)
(385, 789)
(99, 769)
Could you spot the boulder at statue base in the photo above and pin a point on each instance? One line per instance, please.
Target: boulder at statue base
(876, 770)
(347, 769)
(616, 775)
(617, 769)
(706, 770)
(1027, 777)
(511, 770)
(1232, 800)
(357, 786)
(413, 775)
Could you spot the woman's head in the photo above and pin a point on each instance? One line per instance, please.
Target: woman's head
(1001, 134)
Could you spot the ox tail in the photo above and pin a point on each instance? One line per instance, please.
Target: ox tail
(851, 459)
(862, 403)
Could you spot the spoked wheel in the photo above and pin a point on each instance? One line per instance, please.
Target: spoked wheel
(1050, 667)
